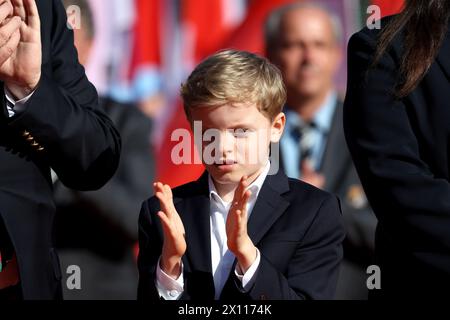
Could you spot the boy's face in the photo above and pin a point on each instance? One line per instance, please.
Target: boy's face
(236, 140)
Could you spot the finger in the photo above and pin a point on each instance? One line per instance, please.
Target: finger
(240, 189)
(169, 195)
(238, 218)
(164, 204)
(160, 188)
(168, 203)
(157, 187)
(6, 10)
(169, 190)
(241, 220)
(32, 14)
(242, 203)
(166, 198)
(8, 30)
(165, 222)
(19, 9)
(10, 47)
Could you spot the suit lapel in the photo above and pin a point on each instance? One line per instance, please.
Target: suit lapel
(269, 206)
(443, 57)
(335, 155)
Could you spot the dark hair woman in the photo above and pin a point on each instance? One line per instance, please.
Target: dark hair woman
(397, 126)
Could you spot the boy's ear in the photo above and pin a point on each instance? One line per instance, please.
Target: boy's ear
(277, 127)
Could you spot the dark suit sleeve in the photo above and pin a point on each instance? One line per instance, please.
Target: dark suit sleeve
(401, 188)
(81, 144)
(150, 247)
(313, 269)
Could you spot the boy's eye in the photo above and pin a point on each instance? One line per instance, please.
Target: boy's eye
(241, 133)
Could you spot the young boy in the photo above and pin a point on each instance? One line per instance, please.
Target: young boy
(238, 232)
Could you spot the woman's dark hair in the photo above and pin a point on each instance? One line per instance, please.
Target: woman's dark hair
(425, 24)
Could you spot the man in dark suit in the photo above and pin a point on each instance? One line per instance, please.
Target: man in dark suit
(108, 216)
(242, 231)
(304, 41)
(49, 118)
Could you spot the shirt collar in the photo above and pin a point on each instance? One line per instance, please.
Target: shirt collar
(254, 187)
(322, 118)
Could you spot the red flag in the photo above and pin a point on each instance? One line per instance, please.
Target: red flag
(389, 7)
(250, 35)
(144, 72)
(206, 25)
(146, 50)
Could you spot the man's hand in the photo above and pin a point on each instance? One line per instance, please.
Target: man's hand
(309, 175)
(238, 240)
(9, 31)
(21, 54)
(174, 245)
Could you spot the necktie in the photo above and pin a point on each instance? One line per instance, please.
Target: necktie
(10, 108)
(306, 142)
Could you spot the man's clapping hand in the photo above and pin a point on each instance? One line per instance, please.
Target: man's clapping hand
(20, 46)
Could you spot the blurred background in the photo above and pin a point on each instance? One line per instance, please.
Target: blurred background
(144, 49)
(137, 53)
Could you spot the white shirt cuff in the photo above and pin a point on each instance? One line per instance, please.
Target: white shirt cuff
(169, 288)
(19, 105)
(249, 278)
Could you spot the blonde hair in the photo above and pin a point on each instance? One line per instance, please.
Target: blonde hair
(232, 76)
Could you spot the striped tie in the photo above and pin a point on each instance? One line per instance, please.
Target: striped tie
(10, 108)
(306, 142)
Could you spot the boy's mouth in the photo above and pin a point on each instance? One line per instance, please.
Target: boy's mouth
(226, 162)
(226, 165)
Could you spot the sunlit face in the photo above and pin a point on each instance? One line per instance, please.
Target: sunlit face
(307, 52)
(236, 140)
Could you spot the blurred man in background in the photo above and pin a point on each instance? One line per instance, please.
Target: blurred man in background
(304, 41)
(97, 231)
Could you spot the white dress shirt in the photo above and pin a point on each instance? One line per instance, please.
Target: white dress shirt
(14, 107)
(221, 258)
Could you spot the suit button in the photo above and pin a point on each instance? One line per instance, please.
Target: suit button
(262, 297)
(173, 293)
(35, 144)
(25, 133)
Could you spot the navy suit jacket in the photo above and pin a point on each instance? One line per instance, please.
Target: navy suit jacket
(296, 227)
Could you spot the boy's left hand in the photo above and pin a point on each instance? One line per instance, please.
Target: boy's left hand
(238, 241)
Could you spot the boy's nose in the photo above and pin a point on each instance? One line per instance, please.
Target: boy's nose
(227, 143)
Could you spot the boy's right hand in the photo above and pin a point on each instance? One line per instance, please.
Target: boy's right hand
(174, 245)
